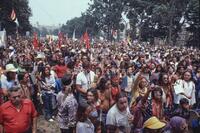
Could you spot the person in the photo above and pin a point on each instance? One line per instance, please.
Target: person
(139, 89)
(9, 78)
(48, 84)
(127, 82)
(94, 102)
(18, 115)
(67, 106)
(183, 110)
(84, 125)
(119, 117)
(25, 85)
(185, 88)
(177, 124)
(83, 82)
(153, 125)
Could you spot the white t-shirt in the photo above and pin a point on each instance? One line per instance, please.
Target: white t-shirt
(117, 118)
(85, 127)
(85, 80)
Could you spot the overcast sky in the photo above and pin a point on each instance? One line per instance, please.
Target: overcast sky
(55, 12)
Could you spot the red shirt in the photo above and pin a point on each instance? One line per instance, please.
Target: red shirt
(60, 70)
(15, 121)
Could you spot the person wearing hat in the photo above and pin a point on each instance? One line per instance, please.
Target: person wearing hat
(9, 78)
(67, 106)
(153, 125)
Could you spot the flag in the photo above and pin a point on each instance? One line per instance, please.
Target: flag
(13, 15)
(60, 39)
(3, 38)
(35, 41)
(114, 34)
(86, 40)
(129, 40)
(74, 36)
(16, 21)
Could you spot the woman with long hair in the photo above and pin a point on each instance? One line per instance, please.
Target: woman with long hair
(48, 83)
(139, 89)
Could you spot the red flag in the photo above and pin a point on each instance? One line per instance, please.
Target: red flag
(60, 39)
(86, 40)
(13, 15)
(35, 41)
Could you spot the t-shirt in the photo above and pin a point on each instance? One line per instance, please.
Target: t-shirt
(15, 121)
(85, 127)
(85, 80)
(117, 118)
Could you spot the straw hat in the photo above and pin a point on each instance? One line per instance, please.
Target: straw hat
(153, 123)
(11, 68)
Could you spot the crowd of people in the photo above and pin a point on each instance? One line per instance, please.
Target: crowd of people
(110, 87)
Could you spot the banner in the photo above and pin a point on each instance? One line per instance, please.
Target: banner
(3, 38)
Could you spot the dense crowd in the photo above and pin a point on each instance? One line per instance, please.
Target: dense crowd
(110, 87)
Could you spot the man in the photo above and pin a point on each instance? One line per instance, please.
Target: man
(83, 82)
(119, 116)
(127, 82)
(8, 79)
(17, 115)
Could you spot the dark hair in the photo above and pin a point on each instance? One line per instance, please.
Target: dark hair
(157, 88)
(120, 95)
(160, 79)
(94, 92)
(183, 101)
(66, 79)
(20, 76)
(13, 89)
(86, 64)
(81, 112)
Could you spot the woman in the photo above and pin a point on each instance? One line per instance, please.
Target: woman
(67, 106)
(185, 88)
(92, 100)
(48, 84)
(105, 98)
(84, 124)
(167, 92)
(139, 88)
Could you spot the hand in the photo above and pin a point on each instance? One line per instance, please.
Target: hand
(130, 118)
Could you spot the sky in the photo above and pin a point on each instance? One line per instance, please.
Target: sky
(55, 12)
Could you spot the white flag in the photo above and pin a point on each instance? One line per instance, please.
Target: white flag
(3, 38)
(74, 36)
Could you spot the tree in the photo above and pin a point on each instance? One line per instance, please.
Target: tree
(107, 14)
(23, 13)
(193, 19)
(157, 18)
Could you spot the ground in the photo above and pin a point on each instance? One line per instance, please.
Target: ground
(44, 126)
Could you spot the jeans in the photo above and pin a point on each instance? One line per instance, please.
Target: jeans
(48, 99)
(70, 130)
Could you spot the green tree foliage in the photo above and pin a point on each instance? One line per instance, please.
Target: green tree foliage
(193, 19)
(23, 13)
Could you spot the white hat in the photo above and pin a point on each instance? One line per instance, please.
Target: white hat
(11, 48)
(11, 68)
(40, 56)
